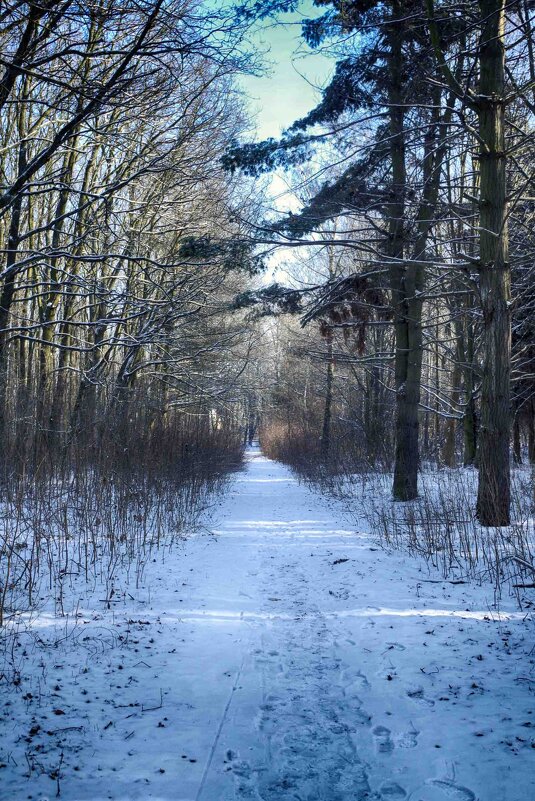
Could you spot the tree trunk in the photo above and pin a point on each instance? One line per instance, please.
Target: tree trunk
(59, 402)
(531, 433)
(448, 449)
(470, 412)
(407, 280)
(493, 501)
(408, 380)
(327, 411)
(11, 269)
(517, 442)
(405, 485)
(470, 431)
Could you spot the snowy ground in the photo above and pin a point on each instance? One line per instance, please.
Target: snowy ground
(281, 657)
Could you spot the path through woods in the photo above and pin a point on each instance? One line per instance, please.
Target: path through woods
(282, 656)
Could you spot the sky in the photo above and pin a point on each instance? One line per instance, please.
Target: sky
(294, 74)
(290, 87)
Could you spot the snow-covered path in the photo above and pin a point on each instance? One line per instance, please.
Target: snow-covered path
(281, 657)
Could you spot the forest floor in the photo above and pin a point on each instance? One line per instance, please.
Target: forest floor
(280, 656)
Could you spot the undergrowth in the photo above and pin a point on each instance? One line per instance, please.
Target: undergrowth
(92, 511)
(440, 526)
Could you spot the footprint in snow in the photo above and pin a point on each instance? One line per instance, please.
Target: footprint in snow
(408, 739)
(383, 741)
(390, 791)
(361, 718)
(354, 681)
(417, 694)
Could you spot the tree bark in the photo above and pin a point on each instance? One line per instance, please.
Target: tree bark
(493, 501)
(517, 441)
(407, 280)
(450, 428)
(470, 429)
(327, 410)
(8, 291)
(405, 485)
(325, 443)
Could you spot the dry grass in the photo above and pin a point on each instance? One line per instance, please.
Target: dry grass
(440, 526)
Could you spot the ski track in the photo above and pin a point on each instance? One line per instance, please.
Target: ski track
(282, 673)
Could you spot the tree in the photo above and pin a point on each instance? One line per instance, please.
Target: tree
(489, 105)
(386, 71)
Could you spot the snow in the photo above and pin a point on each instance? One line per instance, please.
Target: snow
(280, 656)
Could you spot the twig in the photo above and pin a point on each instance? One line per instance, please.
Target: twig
(58, 776)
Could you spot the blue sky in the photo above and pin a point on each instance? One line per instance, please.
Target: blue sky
(290, 87)
(294, 76)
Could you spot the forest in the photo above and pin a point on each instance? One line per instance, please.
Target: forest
(224, 352)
